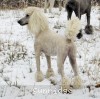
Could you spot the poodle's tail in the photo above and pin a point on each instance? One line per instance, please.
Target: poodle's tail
(73, 27)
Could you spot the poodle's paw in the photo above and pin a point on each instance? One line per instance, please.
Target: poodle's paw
(39, 76)
(77, 82)
(53, 80)
(60, 71)
(49, 73)
(65, 85)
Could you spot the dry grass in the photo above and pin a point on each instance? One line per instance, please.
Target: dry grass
(12, 51)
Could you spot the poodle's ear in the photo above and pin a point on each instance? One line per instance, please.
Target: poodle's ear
(37, 21)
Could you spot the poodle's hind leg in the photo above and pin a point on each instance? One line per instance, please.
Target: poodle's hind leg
(65, 82)
(77, 82)
(50, 71)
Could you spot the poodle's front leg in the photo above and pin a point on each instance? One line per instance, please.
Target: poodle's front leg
(39, 74)
(50, 71)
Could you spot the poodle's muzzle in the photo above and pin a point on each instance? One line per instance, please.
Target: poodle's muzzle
(24, 21)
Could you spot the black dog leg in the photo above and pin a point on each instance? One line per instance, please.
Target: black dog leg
(88, 29)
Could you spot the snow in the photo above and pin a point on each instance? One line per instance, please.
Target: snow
(17, 60)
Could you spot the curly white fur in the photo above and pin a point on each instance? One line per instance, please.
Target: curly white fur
(49, 73)
(73, 27)
(77, 82)
(65, 84)
(51, 43)
(38, 22)
(39, 76)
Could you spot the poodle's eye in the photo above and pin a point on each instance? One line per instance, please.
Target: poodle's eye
(27, 15)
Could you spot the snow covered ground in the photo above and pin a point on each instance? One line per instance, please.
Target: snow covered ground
(17, 60)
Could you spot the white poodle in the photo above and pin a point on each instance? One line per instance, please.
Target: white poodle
(51, 43)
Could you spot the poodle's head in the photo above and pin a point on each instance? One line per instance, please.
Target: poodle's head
(25, 20)
(35, 19)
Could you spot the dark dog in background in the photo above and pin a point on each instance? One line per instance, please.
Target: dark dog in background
(80, 7)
